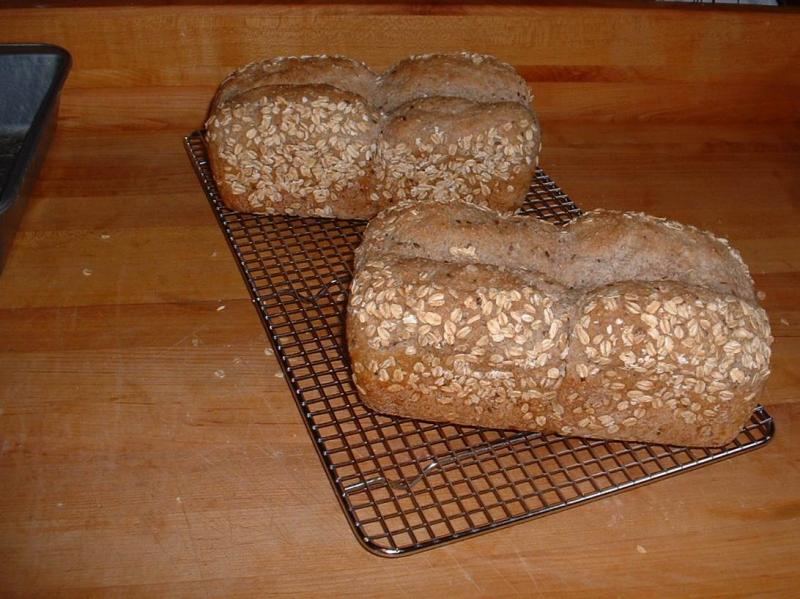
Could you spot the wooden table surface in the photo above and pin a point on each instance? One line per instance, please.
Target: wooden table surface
(130, 467)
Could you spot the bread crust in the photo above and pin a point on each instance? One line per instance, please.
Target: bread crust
(340, 72)
(635, 349)
(477, 140)
(451, 148)
(477, 77)
(295, 149)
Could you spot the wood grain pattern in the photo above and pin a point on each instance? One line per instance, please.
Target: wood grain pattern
(131, 467)
(646, 64)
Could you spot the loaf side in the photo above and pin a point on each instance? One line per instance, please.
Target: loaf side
(449, 148)
(295, 149)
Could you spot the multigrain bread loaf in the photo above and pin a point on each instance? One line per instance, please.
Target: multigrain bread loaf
(618, 325)
(434, 127)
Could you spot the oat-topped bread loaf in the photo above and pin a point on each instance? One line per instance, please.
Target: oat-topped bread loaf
(307, 135)
(618, 325)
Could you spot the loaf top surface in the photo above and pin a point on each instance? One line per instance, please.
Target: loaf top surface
(596, 249)
(341, 72)
(476, 77)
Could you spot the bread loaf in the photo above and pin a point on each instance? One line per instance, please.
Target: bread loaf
(618, 325)
(286, 135)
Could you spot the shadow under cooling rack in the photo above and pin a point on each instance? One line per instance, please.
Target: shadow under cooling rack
(407, 485)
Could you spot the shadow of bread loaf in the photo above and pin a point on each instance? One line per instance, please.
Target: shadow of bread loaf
(324, 136)
(615, 326)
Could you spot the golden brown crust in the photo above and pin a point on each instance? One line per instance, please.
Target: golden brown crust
(667, 361)
(636, 245)
(664, 362)
(598, 248)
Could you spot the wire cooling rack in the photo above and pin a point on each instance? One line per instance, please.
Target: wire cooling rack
(407, 485)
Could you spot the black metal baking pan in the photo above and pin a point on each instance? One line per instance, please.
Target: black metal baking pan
(31, 78)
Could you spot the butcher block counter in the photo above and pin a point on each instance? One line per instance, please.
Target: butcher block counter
(149, 445)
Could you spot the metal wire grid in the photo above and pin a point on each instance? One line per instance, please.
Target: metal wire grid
(407, 485)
